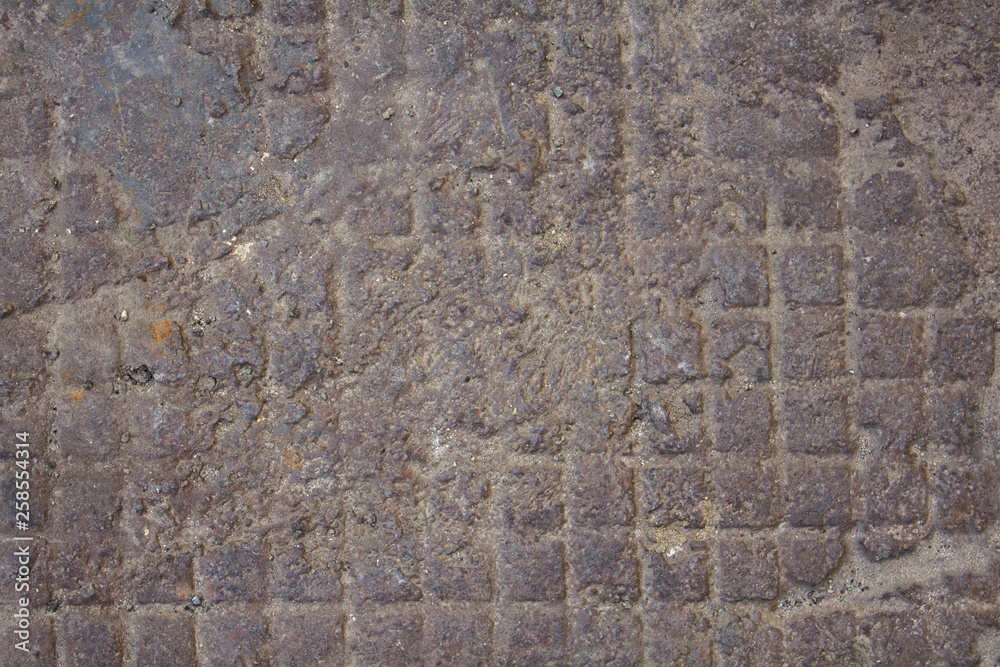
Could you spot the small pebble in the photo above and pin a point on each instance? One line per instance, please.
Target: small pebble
(388, 113)
(557, 92)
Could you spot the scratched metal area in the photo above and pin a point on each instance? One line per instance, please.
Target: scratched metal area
(509, 332)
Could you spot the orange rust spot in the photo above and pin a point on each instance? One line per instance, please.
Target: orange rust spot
(161, 330)
(160, 307)
(77, 395)
(293, 459)
(74, 18)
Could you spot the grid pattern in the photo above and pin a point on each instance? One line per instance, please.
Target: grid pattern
(531, 333)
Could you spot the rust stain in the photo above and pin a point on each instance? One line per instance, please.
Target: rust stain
(77, 395)
(293, 459)
(75, 18)
(161, 330)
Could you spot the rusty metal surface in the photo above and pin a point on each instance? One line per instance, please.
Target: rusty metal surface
(501, 333)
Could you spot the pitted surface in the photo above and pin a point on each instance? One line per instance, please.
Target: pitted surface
(402, 332)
